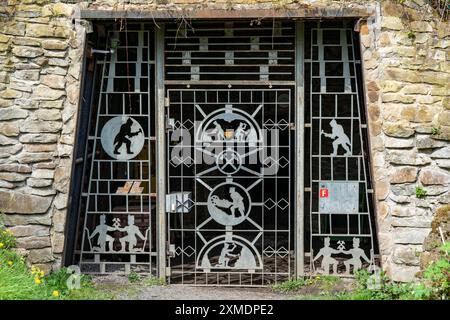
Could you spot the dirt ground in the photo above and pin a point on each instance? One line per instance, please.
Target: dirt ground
(124, 290)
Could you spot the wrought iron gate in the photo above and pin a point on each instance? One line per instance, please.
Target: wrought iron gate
(116, 228)
(229, 147)
(340, 206)
(232, 209)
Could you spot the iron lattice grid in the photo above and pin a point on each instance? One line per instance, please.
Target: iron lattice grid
(268, 226)
(333, 92)
(126, 91)
(256, 63)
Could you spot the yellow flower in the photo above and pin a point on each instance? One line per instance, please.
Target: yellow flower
(41, 274)
(1, 245)
(10, 263)
(37, 280)
(55, 293)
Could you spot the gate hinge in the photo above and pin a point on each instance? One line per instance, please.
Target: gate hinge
(166, 101)
(168, 271)
(292, 126)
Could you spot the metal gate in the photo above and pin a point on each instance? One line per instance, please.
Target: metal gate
(340, 205)
(215, 115)
(116, 226)
(229, 153)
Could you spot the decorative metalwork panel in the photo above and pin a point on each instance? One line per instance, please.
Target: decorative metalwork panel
(117, 226)
(230, 156)
(341, 226)
(235, 50)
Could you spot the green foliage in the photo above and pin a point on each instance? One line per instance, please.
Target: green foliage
(134, 277)
(411, 35)
(437, 276)
(321, 282)
(154, 281)
(420, 192)
(384, 290)
(20, 282)
(289, 285)
(435, 131)
(7, 239)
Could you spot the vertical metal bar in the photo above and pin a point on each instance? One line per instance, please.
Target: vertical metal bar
(299, 146)
(160, 151)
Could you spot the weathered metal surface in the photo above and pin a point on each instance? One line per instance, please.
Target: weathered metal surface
(300, 149)
(336, 197)
(137, 12)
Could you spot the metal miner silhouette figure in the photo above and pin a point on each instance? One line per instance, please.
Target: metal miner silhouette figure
(238, 202)
(103, 238)
(340, 138)
(357, 254)
(123, 135)
(327, 260)
(226, 254)
(133, 233)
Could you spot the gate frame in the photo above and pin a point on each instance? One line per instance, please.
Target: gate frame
(160, 150)
(299, 117)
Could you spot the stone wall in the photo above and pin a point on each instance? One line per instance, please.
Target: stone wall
(406, 64)
(40, 63)
(406, 61)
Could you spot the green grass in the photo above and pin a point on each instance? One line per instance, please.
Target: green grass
(320, 282)
(18, 283)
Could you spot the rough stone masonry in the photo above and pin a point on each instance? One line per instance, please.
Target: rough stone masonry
(406, 62)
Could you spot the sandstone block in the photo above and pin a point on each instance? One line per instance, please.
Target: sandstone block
(398, 143)
(407, 158)
(404, 175)
(58, 242)
(52, 44)
(30, 230)
(12, 176)
(43, 174)
(399, 129)
(16, 202)
(434, 177)
(39, 183)
(27, 52)
(410, 235)
(53, 81)
(5, 141)
(42, 92)
(31, 157)
(426, 142)
(34, 242)
(408, 255)
(39, 126)
(27, 219)
(41, 255)
(38, 138)
(443, 153)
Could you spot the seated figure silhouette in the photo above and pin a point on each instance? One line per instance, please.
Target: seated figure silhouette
(124, 135)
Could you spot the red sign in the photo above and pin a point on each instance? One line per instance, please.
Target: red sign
(323, 193)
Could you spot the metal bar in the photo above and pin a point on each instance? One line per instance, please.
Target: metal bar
(313, 12)
(232, 82)
(299, 145)
(160, 151)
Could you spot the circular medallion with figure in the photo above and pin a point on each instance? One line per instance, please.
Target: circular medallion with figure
(229, 204)
(122, 138)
